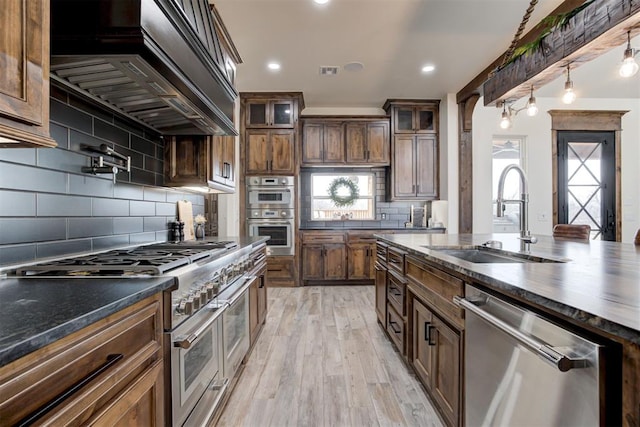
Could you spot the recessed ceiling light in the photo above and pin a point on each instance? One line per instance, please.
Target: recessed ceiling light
(321, 1)
(428, 68)
(354, 66)
(274, 66)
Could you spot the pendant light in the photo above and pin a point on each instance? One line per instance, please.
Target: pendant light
(505, 121)
(629, 66)
(569, 95)
(532, 108)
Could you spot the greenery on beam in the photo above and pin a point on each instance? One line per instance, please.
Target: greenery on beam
(550, 24)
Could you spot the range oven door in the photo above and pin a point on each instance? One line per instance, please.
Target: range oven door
(236, 328)
(197, 383)
(280, 233)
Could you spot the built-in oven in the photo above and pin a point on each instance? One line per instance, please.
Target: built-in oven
(275, 192)
(281, 233)
(271, 212)
(197, 367)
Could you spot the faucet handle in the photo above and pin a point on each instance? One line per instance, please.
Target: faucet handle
(529, 239)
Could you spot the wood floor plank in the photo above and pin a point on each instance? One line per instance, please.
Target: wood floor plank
(323, 360)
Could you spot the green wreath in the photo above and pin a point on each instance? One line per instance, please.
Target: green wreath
(343, 201)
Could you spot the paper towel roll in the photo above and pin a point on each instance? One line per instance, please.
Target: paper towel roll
(440, 211)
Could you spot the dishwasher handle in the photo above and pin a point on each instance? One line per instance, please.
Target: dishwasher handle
(561, 361)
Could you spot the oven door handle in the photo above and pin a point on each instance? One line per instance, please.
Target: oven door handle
(238, 294)
(187, 341)
(267, 222)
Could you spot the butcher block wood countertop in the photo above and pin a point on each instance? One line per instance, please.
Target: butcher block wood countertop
(598, 287)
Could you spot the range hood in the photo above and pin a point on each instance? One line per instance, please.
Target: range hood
(157, 61)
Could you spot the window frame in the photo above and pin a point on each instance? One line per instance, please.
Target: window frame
(372, 197)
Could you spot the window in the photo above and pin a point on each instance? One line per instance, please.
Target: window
(507, 151)
(323, 209)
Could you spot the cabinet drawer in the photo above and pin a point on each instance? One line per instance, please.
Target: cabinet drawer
(124, 345)
(360, 237)
(395, 259)
(437, 288)
(280, 268)
(322, 237)
(396, 328)
(396, 291)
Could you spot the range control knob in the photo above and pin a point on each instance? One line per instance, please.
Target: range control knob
(283, 213)
(283, 181)
(185, 307)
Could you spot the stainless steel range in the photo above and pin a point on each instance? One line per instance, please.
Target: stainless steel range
(208, 325)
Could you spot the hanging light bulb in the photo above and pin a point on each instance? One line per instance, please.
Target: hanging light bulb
(569, 95)
(505, 121)
(532, 108)
(629, 66)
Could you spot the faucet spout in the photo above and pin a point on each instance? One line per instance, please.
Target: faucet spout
(523, 202)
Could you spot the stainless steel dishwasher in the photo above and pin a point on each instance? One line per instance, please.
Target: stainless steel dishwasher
(523, 370)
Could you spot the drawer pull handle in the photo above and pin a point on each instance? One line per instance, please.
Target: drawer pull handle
(112, 359)
(396, 331)
(427, 337)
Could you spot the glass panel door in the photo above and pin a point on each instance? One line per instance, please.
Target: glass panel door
(282, 113)
(586, 181)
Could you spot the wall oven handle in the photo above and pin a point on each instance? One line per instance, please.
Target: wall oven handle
(561, 361)
(187, 341)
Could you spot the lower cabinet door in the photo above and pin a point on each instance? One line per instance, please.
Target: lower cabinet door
(381, 293)
(140, 404)
(445, 383)
(423, 349)
(334, 262)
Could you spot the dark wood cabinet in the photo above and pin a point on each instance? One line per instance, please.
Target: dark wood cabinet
(367, 143)
(412, 119)
(200, 161)
(322, 143)
(24, 81)
(413, 173)
(281, 271)
(270, 113)
(436, 359)
(361, 261)
(324, 261)
(129, 390)
(223, 160)
(270, 152)
(381, 292)
(415, 168)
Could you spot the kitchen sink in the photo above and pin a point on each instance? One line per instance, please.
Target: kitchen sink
(483, 255)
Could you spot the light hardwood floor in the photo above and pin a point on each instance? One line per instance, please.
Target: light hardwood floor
(323, 360)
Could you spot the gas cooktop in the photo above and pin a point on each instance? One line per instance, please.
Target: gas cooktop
(153, 259)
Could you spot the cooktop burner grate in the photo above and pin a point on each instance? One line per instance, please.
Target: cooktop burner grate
(146, 260)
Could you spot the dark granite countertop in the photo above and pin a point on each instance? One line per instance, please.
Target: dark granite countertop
(598, 286)
(35, 312)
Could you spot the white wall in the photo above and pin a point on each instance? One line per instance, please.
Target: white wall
(449, 159)
(538, 132)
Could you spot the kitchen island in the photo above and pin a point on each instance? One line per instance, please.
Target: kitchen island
(588, 287)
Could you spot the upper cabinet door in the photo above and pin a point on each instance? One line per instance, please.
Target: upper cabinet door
(257, 152)
(425, 120)
(356, 134)
(282, 152)
(270, 114)
(378, 143)
(404, 120)
(412, 119)
(24, 80)
(312, 143)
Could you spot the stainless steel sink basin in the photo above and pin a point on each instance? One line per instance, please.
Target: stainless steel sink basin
(483, 255)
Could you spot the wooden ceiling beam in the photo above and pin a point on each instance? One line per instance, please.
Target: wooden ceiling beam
(474, 87)
(595, 30)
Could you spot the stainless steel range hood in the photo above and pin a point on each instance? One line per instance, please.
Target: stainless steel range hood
(157, 61)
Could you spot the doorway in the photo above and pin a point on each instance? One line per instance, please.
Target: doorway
(587, 181)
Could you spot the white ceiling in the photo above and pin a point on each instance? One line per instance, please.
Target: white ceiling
(392, 38)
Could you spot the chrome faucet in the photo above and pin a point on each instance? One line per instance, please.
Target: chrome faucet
(525, 234)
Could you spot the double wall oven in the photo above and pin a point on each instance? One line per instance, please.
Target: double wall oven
(206, 319)
(271, 212)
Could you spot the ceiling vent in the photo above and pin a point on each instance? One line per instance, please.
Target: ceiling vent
(328, 70)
